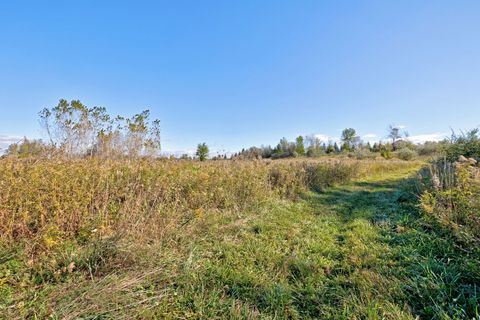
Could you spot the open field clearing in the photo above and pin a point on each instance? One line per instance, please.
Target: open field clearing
(245, 240)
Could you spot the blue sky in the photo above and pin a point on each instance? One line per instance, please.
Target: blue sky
(241, 73)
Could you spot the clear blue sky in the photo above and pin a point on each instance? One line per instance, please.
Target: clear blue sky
(242, 73)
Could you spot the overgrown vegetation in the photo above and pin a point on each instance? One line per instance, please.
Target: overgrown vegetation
(75, 130)
(450, 189)
(94, 225)
(96, 220)
(81, 195)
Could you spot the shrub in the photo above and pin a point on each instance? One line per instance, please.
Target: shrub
(450, 198)
(429, 148)
(386, 153)
(362, 154)
(466, 144)
(320, 176)
(29, 148)
(406, 154)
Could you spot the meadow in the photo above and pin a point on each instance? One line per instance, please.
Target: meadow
(333, 238)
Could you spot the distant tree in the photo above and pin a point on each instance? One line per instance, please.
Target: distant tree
(284, 145)
(330, 148)
(67, 125)
(300, 147)
(336, 149)
(153, 143)
(430, 148)
(202, 151)
(284, 149)
(405, 143)
(349, 139)
(76, 130)
(251, 153)
(267, 151)
(28, 148)
(394, 134)
(465, 144)
(314, 146)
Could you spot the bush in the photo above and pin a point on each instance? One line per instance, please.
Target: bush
(386, 153)
(429, 148)
(362, 154)
(406, 154)
(450, 198)
(29, 148)
(465, 144)
(321, 176)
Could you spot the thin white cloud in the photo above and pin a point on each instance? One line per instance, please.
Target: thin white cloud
(192, 153)
(178, 153)
(325, 138)
(370, 137)
(6, 140)
(421, 138)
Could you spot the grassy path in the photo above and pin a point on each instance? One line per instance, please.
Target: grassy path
(351, 252)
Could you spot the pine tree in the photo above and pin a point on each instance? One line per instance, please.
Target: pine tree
(336, 148)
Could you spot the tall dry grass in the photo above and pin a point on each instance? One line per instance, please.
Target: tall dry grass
(59, 199)
(449, 195)
(93, 230)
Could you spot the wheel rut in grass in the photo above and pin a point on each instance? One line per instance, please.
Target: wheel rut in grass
(325, 257)
(364, 215)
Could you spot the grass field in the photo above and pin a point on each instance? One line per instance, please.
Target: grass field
(358, 249)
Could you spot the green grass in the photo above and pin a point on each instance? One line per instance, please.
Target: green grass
(357, 251)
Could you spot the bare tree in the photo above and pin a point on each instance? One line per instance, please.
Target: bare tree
(394, 134)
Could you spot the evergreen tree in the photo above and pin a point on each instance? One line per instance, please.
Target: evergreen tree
(336, 148)
(330, 148)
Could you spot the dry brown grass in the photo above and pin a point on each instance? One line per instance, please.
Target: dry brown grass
(117, 238)
(52, 200)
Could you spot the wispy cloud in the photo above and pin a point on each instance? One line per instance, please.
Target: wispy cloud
(370, 137)
(178, 153)
(325, 138)
(421, 138)
(192, 153)
(6, 140)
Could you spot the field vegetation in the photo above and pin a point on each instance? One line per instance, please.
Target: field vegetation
(88, 218)
(95, 225)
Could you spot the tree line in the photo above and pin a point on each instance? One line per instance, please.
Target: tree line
(75, 130)
(350, 143)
